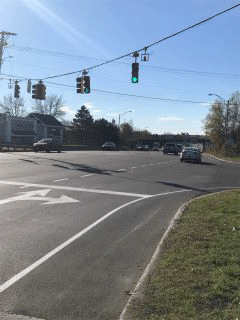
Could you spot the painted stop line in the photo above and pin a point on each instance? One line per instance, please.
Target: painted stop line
(39, 195)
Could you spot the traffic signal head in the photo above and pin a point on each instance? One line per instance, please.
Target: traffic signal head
(42, 91)
(86, 84)
(16, 91)
(35, 90)
(80, 85)
(135, 68)
(39, 91)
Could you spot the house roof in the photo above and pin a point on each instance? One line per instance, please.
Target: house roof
(45, 118)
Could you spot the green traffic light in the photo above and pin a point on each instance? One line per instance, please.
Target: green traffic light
(134, 80)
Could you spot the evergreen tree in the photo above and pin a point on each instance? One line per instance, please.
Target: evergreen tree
(83, 124)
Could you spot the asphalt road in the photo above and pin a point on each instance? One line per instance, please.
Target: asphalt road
(79, 228)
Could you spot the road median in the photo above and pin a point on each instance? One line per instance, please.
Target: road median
(197, 272)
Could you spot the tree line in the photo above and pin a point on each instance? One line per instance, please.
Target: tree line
(222, 125)
(15, 106)
(83, 129)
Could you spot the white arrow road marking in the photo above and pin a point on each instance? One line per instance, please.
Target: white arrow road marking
(117, 193)
(39, 195)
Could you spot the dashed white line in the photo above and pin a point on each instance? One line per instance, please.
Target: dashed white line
(60, 180)
(87, 175)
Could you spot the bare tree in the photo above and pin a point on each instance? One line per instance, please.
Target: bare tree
(12, 106)
(53, 105)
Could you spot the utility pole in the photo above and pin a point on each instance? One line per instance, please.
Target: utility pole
(3, 43)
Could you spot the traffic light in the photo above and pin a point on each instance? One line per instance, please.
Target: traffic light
(35, 91)
(80, 85)
(83, 84)
(86, 84)
(16, 90)
(135, 68)
(42, 91)
(39, 91)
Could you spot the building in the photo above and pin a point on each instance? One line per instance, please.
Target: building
(47, 126)
(27, 130)
(17, 130)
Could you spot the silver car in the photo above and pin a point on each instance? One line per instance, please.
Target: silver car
(191, 154)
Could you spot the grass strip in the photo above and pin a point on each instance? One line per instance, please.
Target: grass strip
(197, 275)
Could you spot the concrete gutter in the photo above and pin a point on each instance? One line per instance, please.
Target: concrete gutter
(7, 316)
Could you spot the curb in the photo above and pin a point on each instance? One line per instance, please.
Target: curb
(8, 316)
(210, 155)
(157, 251)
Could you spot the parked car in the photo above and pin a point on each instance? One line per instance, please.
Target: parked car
(47, 145)
(179, 147)
(110, 146)
(155, 148)
(191, 154)
(170, 148)
(144, 147)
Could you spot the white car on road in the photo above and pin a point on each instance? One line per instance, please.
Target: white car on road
(191, 154)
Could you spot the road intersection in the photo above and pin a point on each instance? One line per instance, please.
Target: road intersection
(71, 247)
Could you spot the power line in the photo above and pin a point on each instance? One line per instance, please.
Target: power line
(146, 47)
(175, 70)
(134, 95)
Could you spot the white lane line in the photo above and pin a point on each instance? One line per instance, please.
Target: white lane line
(60, 180)
(36, 264)
(117, 193)
(157, 251)
(87, 175)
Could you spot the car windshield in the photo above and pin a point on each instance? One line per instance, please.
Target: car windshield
(190, 149)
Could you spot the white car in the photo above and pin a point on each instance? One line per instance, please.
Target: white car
(191, 154)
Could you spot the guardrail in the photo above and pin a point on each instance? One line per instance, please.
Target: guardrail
(14, 148)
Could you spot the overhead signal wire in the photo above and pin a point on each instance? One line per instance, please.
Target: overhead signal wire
(146, 47)
(166, 69)
(134, 95)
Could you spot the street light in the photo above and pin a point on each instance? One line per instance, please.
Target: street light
(226, 103)
(119, 117)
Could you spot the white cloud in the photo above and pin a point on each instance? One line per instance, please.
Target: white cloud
(169, 118)
(68, 110)
(91, 108)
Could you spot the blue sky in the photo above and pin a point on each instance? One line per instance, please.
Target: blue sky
(61, 36)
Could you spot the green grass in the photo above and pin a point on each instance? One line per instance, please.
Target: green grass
(223, 156)
(197, 275)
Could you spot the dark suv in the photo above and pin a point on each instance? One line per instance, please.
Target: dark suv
(47, 145)
(170, 148)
